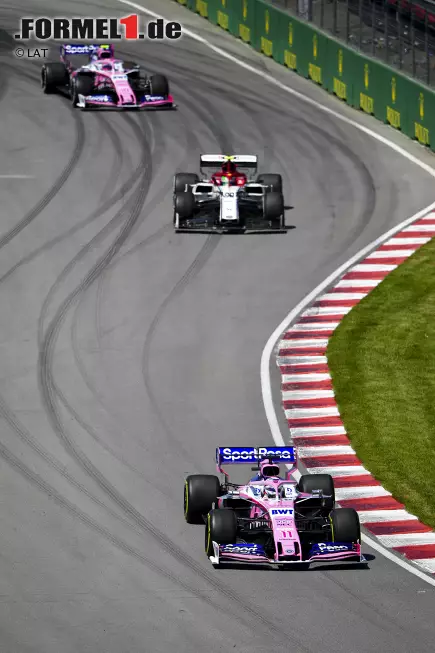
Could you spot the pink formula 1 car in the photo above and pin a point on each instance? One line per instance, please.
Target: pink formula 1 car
(272, 519)
(93, 77)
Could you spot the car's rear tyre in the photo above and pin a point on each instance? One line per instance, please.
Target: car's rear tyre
(184, 205)
(81, 85)
(200, 492)
(272, 180)
(309, 482)
(345, 525)
(273, 207)
(53, 75)
(159, 85)
(221, 528)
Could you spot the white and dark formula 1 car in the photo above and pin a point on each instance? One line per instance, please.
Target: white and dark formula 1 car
(228, 199)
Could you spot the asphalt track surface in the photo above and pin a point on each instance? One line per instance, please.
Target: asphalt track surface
(128, 353)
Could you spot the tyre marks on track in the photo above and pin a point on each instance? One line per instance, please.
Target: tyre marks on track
(253, 618)
(50, 398)
(192, 143)
(118, 195)
(56, 187)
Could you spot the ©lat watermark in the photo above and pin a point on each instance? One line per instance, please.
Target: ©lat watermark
(31, 53)
(97, 29)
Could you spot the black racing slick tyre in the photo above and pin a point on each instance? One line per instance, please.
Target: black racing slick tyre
(345, 525)
(273, 206)
(81, 85)
(159, 85)
(53, 75)
(184, 205)
(221, 528)
(309, 482)
(272, 180)
(183, 179)
(200, 492)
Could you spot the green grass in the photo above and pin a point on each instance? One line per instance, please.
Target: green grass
(382, 362)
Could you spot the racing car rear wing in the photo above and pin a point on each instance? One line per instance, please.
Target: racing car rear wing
(249, 455)
(80, 48)
(213, 160)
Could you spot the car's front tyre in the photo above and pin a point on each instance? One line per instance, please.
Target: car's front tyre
(345, 525)
(221, 528)
(159, 85)
(273, 208)
(184, 205)
(80, 85)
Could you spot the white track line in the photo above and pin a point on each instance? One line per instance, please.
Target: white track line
(303, 343)
(361, 283)
(408, 241)
(307, 394)
(316, 326)
(371, 491)
(268, 349)
(318, 430)
(324, 451)
(302, 360)
(369, 516)
(345, 470)
(306, 377)
(17, 177)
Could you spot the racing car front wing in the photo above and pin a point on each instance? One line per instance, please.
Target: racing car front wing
(105, 101)
(323, 552)
(207, 225)
(250, 220)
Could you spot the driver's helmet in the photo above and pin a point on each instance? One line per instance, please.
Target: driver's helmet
(269, 469)
(229, 168)
(225, 180)
(270, 492)
(104, 52)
